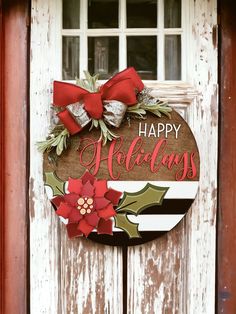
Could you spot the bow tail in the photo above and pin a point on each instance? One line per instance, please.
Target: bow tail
(69, 122)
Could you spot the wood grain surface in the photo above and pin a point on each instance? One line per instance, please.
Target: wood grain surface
(70, 165)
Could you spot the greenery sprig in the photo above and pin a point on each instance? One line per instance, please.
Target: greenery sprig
(106, 133)
(158, 108)
(56, 142)
(89, 83)
(148, 103)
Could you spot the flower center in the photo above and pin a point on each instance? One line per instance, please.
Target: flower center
(85, 205)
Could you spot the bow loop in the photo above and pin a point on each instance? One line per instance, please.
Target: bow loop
(121, 91)
(65, 94)
(128, 73)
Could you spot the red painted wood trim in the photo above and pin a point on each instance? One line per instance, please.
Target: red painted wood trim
(1, 164)
(14, 37)
(226, 301)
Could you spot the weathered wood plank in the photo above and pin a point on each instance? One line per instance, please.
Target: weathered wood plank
(155, 275)
(91, 277)
(66, 276)
(44, 230)
(176, 274)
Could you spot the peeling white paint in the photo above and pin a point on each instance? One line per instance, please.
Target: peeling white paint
(65, 276)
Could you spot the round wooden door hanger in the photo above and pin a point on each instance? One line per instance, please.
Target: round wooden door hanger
(127, 165)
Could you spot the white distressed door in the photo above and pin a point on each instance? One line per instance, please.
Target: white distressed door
(173, 274)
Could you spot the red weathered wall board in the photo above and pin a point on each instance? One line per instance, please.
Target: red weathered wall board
(1, 161)
(14, 100)
(227, 167)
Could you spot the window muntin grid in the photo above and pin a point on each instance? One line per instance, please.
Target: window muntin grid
(170, 58)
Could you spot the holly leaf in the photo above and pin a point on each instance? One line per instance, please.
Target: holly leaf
(122, 222)
(137, 202)
(56, 184)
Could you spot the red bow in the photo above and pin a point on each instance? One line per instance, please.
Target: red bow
(122, 87)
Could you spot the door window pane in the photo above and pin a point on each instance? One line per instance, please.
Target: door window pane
(71, 14)
(142, 55)
(173, 57)
(103, 56)
(102, 46)
(172, 13)
(70, 59)
(141, 13)
(103, 13)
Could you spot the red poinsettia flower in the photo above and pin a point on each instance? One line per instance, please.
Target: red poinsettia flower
(89, 205)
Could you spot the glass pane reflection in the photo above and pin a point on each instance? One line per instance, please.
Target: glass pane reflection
(103, 56)
(70, 57)
(103, 13)
(173, 57)
(71, 14)
(141, 13)
(172, 13)
(142, 55)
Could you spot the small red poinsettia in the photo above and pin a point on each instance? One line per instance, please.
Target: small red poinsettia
(89, 205)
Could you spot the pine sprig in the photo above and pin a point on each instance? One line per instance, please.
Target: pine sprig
(57, 141)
